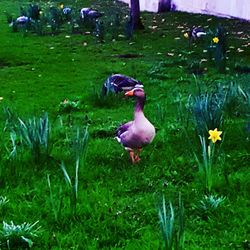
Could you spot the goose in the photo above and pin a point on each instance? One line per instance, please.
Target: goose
(20, 21)
(136, 134)
(66, 10)
(118, 83)
(195, 33)
(90, 13)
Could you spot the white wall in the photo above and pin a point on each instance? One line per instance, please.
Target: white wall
(227, 8)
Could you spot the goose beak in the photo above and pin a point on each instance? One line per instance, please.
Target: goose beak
(129, 93)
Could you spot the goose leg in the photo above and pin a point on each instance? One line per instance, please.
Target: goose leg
(137, 158)
(132, 156)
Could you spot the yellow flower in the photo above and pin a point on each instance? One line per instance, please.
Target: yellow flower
(61, 5)
(186, 35)
(214, 135)
(216, 39)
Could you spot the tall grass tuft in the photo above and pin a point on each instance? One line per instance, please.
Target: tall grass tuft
(80, 149)
(173, 233)
(236, 99)
(207, 110)
(56, 204)
(80, 144)
(72, 185)
(205, 165)
(34, 134)
(3, 204)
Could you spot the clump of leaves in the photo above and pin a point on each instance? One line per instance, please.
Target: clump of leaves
(35, 135)
(209, 204)
(32, 134)
(3, 201)
(209, 157)
(236, 99)
(18, 236)
(207, 111)
(68, 106)
(79, 147)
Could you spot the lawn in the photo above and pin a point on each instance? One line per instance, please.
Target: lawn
(77, 182)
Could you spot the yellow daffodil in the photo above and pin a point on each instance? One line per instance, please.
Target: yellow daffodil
(214, 135)
(61, 5)
(186, 35)
(216, 39)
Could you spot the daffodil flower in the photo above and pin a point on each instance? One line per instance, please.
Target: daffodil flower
(216, 39)
(186, 35)
(214, 135)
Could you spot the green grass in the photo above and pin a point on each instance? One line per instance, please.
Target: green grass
(117, 202)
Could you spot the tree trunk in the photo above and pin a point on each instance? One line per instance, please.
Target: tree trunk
(135, 14)
(164, 5)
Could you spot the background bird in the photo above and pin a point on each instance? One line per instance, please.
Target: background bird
(90, 13)
(118, 83)
(136, 134)
(194, 34)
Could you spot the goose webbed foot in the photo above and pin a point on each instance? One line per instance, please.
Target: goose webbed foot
(135, 156)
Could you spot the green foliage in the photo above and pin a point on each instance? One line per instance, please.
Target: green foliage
(34, 134)
(236, 99)
(68, 106)
(115, 205)
(206, 165)
(209, 204)
(3, 201)
(196, 67)
(17, 236)
(172, 230)
(79, 148)
(56, 204)
(159, 71)
(207, 111)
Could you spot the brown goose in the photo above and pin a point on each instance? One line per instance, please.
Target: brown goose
(138, 133)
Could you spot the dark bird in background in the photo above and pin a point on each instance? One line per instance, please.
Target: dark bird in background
(117, 83)
(20, 21)
(90, 13)
(194, 34)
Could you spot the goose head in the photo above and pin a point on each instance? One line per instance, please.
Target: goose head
(140, 96)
